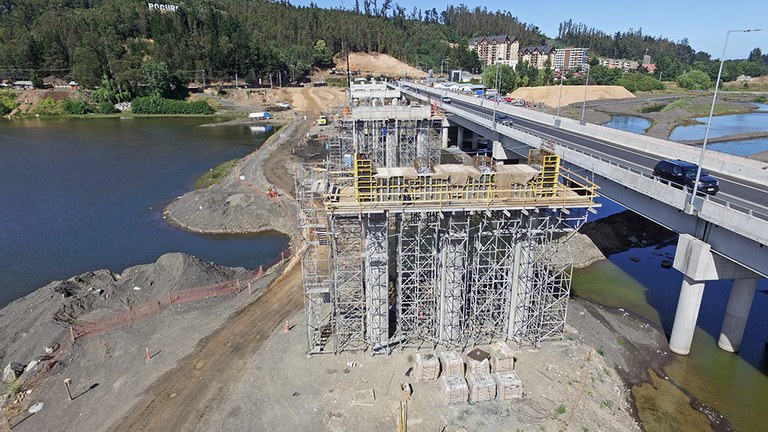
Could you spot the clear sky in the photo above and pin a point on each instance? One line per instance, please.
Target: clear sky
(703, 22)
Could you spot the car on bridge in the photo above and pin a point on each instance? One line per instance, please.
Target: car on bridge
(683, 174)
(504, 119)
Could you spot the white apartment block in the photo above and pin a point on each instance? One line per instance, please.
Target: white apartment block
(570, 58)
(503, 49)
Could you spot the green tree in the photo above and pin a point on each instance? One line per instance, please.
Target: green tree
(322, 54)
(157, 76)
(507, 78)
(694, 80)
(603, 75)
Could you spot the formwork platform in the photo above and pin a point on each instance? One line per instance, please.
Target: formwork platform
(428, 254)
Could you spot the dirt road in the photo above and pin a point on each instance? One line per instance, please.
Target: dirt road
(182, 396)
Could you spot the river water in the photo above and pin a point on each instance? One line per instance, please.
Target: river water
(735, 384)
(80, 195)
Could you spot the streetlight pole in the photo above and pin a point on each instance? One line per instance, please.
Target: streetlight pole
(496, 98)
(584, 105)
(712, 112)
(560, 96)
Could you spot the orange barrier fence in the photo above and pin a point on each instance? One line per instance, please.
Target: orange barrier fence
(150, 307)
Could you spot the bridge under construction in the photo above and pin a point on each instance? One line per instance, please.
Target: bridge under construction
(403, 248)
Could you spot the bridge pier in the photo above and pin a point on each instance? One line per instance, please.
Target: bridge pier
(698, 264)
(475, 139)
(736, 314)
(445, 126)
(460, 138)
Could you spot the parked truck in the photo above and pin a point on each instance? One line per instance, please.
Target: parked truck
(263, 115)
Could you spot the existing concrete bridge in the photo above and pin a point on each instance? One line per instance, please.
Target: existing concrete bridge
(721, 237)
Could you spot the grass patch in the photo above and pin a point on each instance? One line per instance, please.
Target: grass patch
(652, 108)
(560, 410)
(215, 174)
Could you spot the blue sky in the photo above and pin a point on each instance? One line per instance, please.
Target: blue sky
(703, 22)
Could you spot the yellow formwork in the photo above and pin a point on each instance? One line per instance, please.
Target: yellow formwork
(553, 186)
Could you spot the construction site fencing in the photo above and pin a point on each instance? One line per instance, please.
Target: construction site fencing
(151, 307)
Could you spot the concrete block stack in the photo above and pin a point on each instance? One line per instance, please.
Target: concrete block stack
(482, 387)
(452, 363)
(508, 385)
(477, 361)
(427, 367)
(502, 357)
(454, 388)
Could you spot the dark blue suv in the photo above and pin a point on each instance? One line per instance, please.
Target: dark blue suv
(682, 173)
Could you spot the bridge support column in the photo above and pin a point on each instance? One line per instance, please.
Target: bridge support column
(736, 314)
(694, 258)
(445, 126)
(475, 139)
(460, 138)
(686, 315)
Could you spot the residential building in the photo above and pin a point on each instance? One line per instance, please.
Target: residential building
(625, 65)
(503, 49)
(570, 58)
(538, 55)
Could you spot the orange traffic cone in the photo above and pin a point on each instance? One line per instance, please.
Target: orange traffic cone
(287, 327)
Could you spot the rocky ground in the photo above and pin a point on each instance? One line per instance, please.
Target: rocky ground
(227, 364)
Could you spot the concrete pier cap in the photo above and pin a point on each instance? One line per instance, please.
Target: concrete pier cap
(695, 259)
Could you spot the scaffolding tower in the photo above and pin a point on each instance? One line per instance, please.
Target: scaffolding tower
(456, 255)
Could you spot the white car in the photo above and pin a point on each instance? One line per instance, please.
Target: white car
(284, 105)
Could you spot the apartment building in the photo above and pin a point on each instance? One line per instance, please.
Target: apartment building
(503, 49)
(570, 58)
(538, 55)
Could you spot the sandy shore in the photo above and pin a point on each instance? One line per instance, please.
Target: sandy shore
(227, 364)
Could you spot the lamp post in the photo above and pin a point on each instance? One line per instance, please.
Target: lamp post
(711, 113)
(584, 105)
(560, 96)
(496, 98)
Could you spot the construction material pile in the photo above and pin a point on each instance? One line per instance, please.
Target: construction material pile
(452, 363)
(482, 387)
(477, 361)
(454, 388)
(508, 385)
(427, 367)
(502, 357)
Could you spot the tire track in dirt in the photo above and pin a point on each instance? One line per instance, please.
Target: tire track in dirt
(182, 396)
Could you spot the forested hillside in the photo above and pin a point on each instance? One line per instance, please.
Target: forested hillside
(133, 45)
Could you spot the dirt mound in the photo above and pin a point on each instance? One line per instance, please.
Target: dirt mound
(550, 95)
(378, 64)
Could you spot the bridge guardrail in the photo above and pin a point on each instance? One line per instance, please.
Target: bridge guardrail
(486, 121)
(717, 162)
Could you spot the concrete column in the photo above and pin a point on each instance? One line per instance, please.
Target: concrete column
(446, 126)
(475, 138)
(736, 314)
(685, 317)
(695, 260)
(460, 137)
(391, 146)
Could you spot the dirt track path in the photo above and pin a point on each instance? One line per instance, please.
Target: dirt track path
(187, 393)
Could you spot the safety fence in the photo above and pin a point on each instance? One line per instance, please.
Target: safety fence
(142, 310)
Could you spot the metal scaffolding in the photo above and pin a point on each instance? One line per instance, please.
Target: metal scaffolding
(455, 255)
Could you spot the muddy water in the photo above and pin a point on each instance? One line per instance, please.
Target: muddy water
(734, 384)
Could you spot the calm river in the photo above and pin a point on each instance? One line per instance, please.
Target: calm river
(735, 384)
(81, 195)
